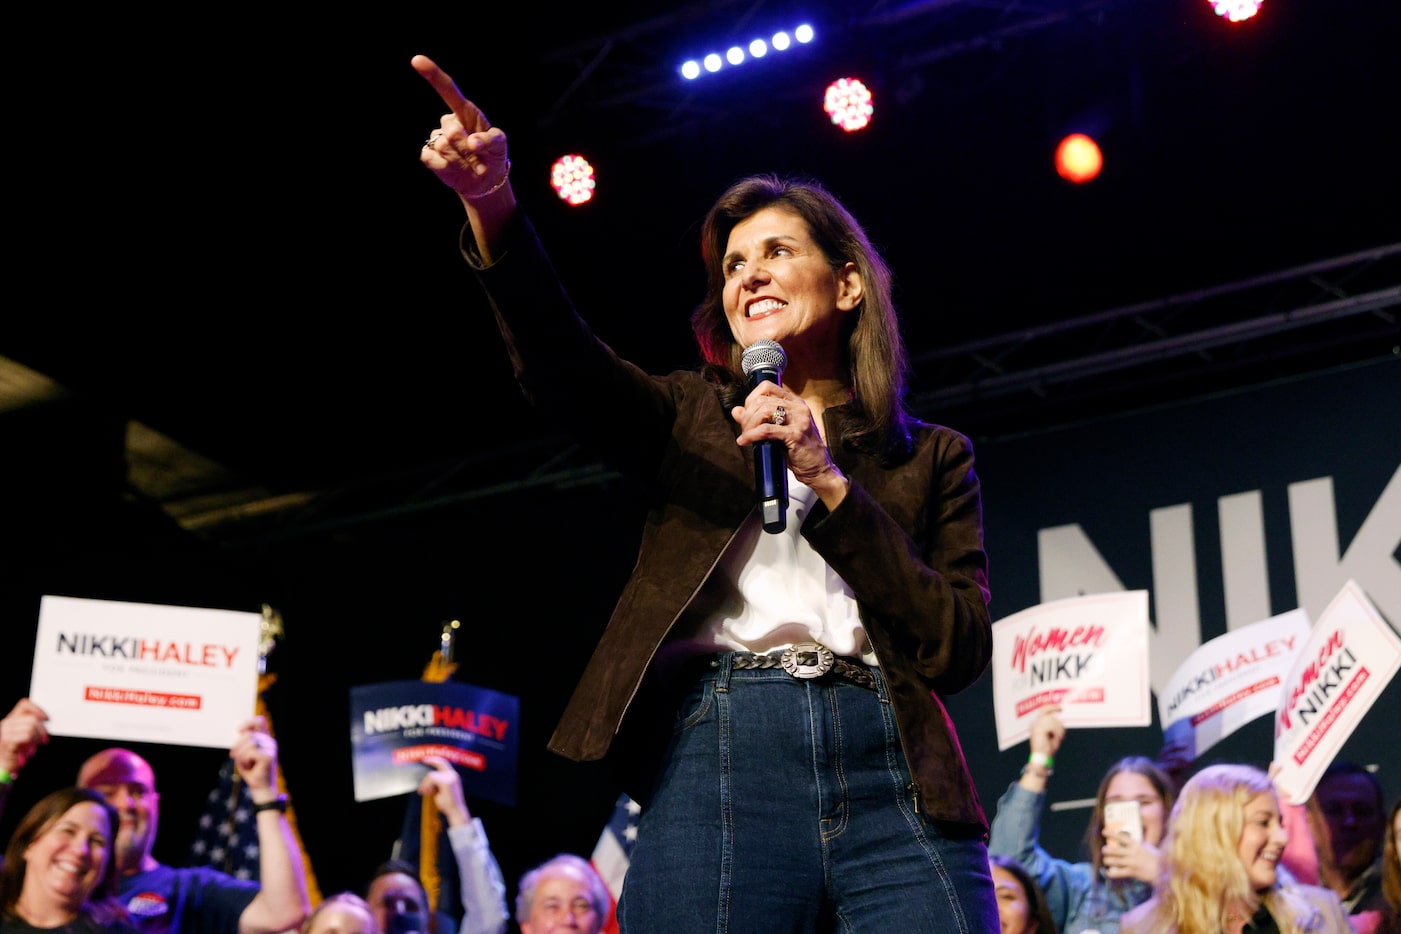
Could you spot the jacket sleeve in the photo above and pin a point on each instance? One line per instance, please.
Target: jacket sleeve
(561, 365)
(483, 890)
(1015, 833)
(914, 558)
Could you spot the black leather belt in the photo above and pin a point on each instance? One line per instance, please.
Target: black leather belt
(808, 660)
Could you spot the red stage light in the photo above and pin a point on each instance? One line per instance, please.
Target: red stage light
(572, 179)
(848, 103)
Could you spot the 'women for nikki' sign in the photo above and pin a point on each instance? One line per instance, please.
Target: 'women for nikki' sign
(1087, 655)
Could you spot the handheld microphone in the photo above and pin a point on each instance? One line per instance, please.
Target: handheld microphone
(763, 361)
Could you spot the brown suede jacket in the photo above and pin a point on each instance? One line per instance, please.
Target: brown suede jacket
(907, 539)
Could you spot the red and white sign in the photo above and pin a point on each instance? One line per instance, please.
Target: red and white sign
(1087, 655)
(1350, 657)
(1232, 680)
(144, 672)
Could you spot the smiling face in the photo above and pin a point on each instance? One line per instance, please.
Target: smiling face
(65, 862)
(1262, 841)
(128, 783)
(779, 286)
(1134, 786)
(562, 903)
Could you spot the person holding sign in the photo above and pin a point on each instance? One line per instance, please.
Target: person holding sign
(1221, 865)
(1087, 896)
(396, 890)
(22, 732)
(768, 691)
(199, 900)
(59, 870)
(193, 900)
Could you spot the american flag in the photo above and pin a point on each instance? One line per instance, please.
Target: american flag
(613, 853)
(228, 835)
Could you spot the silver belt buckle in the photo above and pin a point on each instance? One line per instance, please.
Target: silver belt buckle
(807, 660)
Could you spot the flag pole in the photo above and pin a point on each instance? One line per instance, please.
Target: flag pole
(440, 668)
(270, 629)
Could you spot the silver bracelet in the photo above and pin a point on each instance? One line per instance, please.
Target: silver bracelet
(505, 176)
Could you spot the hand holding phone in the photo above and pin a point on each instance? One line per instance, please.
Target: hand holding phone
(1123, 817)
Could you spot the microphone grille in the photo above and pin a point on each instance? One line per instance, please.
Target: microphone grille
(763, 355)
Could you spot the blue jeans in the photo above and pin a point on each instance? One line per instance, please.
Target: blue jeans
(786, 806)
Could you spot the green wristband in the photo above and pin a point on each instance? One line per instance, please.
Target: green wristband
(7, 777)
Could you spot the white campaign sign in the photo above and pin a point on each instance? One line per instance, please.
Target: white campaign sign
(1350, 657)
(1232, 680)
(1088, 655)
(145, 672)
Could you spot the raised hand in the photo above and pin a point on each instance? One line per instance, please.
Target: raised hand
(254, 754)
(466, 152)
(444, 785)
(22, 732)
(1047, 732)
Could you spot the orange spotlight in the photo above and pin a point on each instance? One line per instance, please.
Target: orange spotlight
(848, 103)
(1078, 159)
(572, 179)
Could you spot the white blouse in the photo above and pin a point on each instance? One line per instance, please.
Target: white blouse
(777, 591)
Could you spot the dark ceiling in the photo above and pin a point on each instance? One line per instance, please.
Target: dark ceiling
(244, 348)
(258, 269)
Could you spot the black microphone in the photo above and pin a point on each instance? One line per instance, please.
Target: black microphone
(763, 361)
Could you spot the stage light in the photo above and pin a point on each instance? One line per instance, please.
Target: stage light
(572, 179)
(758, 48)
(848, 103)
(1078, 159)
(1235, 10)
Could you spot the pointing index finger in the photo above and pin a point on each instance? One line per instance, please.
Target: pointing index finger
(467, 112)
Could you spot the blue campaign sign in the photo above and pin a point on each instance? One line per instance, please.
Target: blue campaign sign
(394, 725)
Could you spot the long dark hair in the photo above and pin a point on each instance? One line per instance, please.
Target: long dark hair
(874, 357)
(101, 904)
(1039, 911)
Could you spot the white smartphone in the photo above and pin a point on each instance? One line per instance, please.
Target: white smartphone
(1124, 817)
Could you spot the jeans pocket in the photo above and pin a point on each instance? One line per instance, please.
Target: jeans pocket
(695, 706)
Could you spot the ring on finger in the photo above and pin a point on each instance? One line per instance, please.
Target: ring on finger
(780, 415)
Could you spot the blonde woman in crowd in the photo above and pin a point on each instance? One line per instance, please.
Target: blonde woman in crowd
(1220, 866)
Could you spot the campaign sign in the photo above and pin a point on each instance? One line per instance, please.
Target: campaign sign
(394, 725)
(1087, 655)
(142, 672)
(1350, 657)
(1232, 680)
